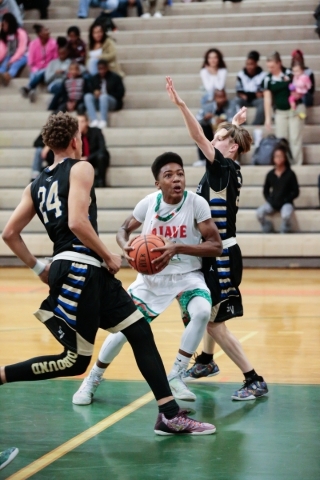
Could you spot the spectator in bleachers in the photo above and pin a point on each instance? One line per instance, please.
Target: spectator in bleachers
(248, 87)
(280, 189)
(13, 48)
(288, 123)
(299, 87)
(43, 157)
(41, 5)
(57, 69)
(76, 46)
(41, 51)
(10, 6)
(101, 47)
(94, 150)
(123, 7)
(84, 6)
(73, 89)
(297, 56)
(108, 92)
(213, 75)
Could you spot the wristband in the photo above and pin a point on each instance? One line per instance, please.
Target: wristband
(38, 268)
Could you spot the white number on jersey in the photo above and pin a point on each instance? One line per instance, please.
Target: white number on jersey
(50, 201)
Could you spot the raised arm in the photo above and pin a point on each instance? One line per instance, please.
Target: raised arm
(193, 126)
(11, 234)
(81, 181)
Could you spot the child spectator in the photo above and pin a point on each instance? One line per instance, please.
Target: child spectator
(57, 69)
(108, 92)
(41, 5)
(13, 48)
(94, 150)
(101, 47)
(297, 56)
(300, 85)
(10, 6)
(280, 189)
(41, 51)
(76, 46)
(72, 90)
(248, 87)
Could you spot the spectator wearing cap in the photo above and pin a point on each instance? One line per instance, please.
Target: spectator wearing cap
(297, 56)
(249, 87)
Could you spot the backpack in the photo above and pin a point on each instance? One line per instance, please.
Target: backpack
(263, 153)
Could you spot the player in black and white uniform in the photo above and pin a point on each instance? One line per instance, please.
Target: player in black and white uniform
(220, 186)
(83, 294)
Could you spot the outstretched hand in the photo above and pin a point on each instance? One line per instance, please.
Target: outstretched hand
(173, 95)
(240, 117)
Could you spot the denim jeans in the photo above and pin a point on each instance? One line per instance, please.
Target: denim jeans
(36, 78)
(84, 6)
(55, 86)
(104, 103)
(14, 68)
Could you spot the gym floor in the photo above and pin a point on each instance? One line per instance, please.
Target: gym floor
(275, 437)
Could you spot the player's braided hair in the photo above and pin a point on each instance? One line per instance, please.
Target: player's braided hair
(239, 135)
(59, 131)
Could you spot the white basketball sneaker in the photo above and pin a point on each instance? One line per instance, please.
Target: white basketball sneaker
(84, 395)
(180, 390)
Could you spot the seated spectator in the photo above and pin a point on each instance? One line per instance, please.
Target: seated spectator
(299, 87)
(72, 91)
(288, 124)
(13, 48)
(41, 51)
(123, 7)
(41, 5)
(280, 189)
(76, 46)
(43, 157)
(10, 6)
(108, 92)
(155, 8)
(248, 87)
(84, 6)
(213, 75)
(94, 150)
(57, 69)
(101, 47)
(307, 99)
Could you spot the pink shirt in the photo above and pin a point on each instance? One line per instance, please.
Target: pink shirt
(302, 83)
(22, 38)
(41, 55)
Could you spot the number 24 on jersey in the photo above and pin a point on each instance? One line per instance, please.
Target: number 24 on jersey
(49, 201)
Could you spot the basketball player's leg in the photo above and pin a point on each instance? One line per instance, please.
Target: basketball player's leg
(65, 314)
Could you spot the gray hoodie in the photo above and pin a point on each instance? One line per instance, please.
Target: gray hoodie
(10, 6)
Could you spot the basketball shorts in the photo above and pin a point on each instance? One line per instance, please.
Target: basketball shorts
(152, 294)
(83, 298)
(223, 276)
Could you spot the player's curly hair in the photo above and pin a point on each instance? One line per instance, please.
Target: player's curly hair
(59, 131)
(239, 135)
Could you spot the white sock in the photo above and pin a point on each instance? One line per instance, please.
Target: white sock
(181, 363)
(97, 371)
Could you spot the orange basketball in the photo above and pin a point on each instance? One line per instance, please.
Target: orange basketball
(142, 254)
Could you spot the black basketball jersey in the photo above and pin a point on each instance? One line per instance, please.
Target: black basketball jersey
(220, 186)
(50, 193)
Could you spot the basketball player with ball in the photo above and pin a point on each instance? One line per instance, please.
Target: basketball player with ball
(183, 220)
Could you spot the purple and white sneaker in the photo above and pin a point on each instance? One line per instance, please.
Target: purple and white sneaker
(181, 425)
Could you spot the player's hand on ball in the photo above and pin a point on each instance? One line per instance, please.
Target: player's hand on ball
(168, 251)
(173, 95)
(127, 249)
(114, 263)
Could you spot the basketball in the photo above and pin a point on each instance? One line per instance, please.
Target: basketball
(142, 255)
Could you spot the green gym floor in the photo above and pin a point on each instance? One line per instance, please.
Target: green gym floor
(275, 437)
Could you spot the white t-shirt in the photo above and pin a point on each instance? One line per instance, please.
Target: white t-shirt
(213, 82)
(181, 228)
